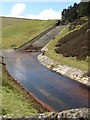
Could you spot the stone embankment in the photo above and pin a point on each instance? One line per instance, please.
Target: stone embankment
(68, 71)
(79, 114)
(73, 113)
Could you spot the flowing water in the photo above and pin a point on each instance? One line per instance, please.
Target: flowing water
(57, 91)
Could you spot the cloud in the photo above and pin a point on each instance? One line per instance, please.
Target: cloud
(46, 14)
(18, 10)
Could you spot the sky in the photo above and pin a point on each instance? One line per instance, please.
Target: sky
(34, 10)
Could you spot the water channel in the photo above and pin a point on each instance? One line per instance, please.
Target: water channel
(57, 91)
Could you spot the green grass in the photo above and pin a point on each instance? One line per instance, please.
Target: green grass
(15, 101)
(14, 105)
(71, 61)
(0, 86)
(16, 31)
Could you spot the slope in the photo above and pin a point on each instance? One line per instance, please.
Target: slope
(16, 31)
(69, 60)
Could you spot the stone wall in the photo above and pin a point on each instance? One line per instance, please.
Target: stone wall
(79, 114)
(70, 72)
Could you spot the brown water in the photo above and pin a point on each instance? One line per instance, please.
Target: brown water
(55, 90)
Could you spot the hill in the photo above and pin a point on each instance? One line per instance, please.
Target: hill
(16, 31)
(67, 47)
(75, 44)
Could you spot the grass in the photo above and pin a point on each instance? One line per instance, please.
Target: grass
(14, 105)
(16, 32)
(15, 101)
(71, 61)
(0, 90)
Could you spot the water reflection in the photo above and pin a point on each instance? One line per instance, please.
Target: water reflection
(55, 90)
(17, 72)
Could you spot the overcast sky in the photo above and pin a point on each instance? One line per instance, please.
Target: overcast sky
(34, 10)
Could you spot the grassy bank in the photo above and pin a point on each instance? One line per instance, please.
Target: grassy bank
(71, 61)
(16, 101)
(16, 32)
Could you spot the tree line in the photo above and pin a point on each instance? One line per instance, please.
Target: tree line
(76, 11)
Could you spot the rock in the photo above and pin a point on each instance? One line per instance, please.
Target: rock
(79, 114)
(70, 72)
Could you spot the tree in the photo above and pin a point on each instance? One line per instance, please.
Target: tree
(83, 9)
(76, 11)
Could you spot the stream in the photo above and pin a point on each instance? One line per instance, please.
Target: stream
(56, 91)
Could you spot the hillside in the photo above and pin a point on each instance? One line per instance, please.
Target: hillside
(75, 44)
(16, 31)
(16, 102)
(68, 45)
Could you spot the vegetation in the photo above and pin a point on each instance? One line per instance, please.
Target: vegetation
(77, 16)
(76, 11)
(75, 44)
(16, 102)
(71, 61)
(16, 32)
